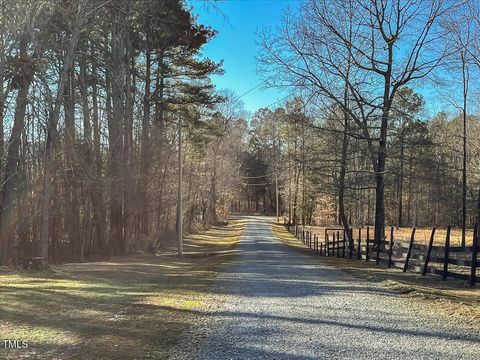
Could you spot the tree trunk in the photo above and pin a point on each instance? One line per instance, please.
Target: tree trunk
(72, 214)
(464, 162)
(145, 151)
(400, 183)
(343, 166)
(98, 190)
(380, 179)
(51, 135)
(88, 169)
(9, 180)
(127, 169)
(116, 119)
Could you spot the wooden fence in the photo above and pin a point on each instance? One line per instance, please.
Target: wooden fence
(408, 256)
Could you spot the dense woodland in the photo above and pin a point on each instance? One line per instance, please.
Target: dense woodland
(90, 100)
(360, 144)
(92, 93)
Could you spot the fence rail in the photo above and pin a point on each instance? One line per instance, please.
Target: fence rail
(408, 256)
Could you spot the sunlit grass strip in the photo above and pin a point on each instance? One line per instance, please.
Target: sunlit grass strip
(126, 308)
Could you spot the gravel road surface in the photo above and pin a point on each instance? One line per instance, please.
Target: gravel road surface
(273, 302)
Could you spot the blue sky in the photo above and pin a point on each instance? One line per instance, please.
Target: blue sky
(237, 23)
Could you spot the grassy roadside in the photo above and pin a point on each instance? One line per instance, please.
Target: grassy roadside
(126, 308)
(453, 297)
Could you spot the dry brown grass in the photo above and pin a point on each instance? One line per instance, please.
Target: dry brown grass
(452, 297)
(422, 235)
(124, 308)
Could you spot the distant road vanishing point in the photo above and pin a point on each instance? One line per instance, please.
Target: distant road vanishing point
(276, 303)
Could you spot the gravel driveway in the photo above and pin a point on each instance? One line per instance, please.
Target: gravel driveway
(275, 303)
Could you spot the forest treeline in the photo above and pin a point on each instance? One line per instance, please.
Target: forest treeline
(360, 145)
(379, 124)
(304, 151)
(91, 93)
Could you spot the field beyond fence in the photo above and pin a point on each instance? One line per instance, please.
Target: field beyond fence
(440, 254)
(422, 235)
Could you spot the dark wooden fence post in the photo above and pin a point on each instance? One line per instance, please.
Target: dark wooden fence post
(473, 270)
(350, 243)
(409, 252)
(343, 243)
(359, 252)
(338, 243)
(327, 248)
(390, 249)
(334, 245)
(367, 257)
(377, 260)
(334, 242)
(447, 253)
(429, 253)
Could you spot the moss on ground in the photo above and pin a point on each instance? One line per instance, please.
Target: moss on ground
(126, 308)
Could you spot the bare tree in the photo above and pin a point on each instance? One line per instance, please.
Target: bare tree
(388, 44)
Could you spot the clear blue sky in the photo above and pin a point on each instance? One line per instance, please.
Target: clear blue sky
(237, 22)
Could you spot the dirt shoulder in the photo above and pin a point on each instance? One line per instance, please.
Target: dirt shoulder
(453, 297)
(124, 308)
